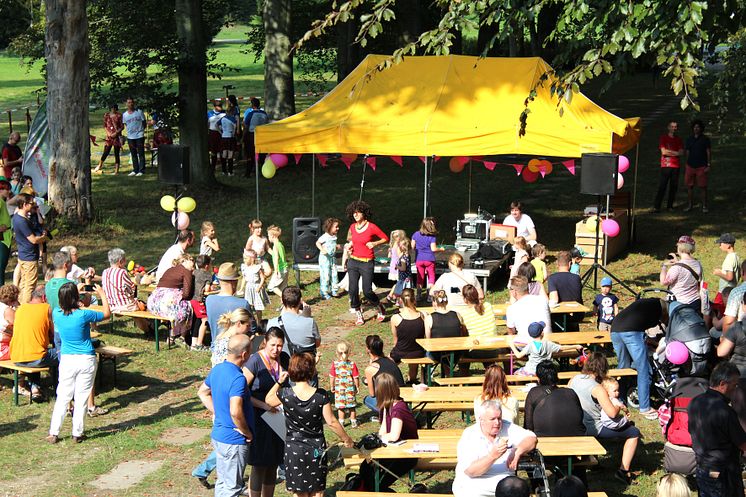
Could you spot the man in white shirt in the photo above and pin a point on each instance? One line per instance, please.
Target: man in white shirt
(183, 242)
(524, 225)
(134, 123)
(526, 309)
(489, 451)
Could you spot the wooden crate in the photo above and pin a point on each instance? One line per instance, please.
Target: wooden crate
(608, 248)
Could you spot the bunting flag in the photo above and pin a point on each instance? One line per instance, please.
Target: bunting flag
(423, 159)
(297, 158)
(489, 165)
(398, 160)
(570, 165)
(348, 160)
(322, 159)
(542, 171)
(518, 168)
(371, 161)
(436, 158)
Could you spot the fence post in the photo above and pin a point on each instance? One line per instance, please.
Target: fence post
(10, 122)
(28, 120)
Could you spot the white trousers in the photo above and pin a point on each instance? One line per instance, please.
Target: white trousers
(77, 372)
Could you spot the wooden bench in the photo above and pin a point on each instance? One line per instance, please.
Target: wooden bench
(111, 353)
(563, 375)
(21, 369)
(394, 494)
(141, 315)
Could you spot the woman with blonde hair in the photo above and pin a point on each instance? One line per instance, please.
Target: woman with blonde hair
(406, 327)
(673, 485)
(495, 387)
(455, 280)
(236, 322)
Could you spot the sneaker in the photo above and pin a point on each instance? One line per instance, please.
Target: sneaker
(688, 208)
(97, 411)
(79, 439)
(138, 174)
(381, 314)
(650, 414)
(354, 423)
(374, 419)
(705, 210)
(623, 476)
(132, 173)
(52, 439)
(326, 296)
(359, 321)
(280, 474)
(203, 481)
(353, 310)
(342, 421)
(199, 348)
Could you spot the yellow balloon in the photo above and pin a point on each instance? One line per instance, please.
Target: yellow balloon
(130, 265)
(168, 203)
(534, 165)
(591, 223)
(269, 169)
(186, 204)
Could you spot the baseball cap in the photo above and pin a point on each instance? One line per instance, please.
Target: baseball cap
(606, 281)
(536, 329)
(726, 238)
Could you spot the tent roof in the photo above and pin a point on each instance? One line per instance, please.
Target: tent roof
(449, 106)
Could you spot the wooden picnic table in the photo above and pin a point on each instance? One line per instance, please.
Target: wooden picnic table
(137, 314)
(569, 447)
(512, 378)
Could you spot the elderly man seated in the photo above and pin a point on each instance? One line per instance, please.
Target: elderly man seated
(488, 452)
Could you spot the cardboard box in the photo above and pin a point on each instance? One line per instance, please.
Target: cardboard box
(502, 232)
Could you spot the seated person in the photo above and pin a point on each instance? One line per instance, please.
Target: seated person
(489, 451)
(378, 365)
(120, 290)
(564, 286)
(525, 310)
(524, 225)
(512, 486)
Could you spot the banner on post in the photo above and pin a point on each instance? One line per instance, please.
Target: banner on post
(37, 153)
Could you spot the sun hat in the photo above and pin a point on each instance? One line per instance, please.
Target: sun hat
(726, 238)
(536, 329)
(227, 272)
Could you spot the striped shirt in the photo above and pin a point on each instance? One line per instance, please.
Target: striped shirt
(118, 287)
(479, 326)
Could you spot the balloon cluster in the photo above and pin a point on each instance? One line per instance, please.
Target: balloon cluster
(272, 163)
(609, 227)
(623, 167)
(180, 209)
(135, 269)
(536, 168)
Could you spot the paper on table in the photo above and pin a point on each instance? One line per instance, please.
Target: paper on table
(276, 421)
(425, 447)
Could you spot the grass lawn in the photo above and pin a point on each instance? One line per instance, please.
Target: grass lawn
(157, 392)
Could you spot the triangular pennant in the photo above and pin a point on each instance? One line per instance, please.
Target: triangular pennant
(371, 161)
(518, 168)
(322, 159)
(348, 160)
(398, 160)
(489, 165)
(542, 171)
(297, 158)
(570, 165)
(423, 159)
(436, 158)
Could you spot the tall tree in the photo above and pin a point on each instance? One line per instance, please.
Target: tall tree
(66, 49)
(279, 90)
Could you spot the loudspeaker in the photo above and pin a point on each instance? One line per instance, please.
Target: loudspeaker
(598, 173)
(173, 164)
(306, 230)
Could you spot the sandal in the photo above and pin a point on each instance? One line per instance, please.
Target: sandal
(97, 411)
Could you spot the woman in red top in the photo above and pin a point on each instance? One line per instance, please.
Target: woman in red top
(363, 236)
(113, 127)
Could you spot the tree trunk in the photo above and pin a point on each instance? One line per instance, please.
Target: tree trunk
(349, 54)
(279, 91)
(68, 86)
(192, 73)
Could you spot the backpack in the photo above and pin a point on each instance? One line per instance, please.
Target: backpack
(676, 430)
(492, 250)
(294, 349)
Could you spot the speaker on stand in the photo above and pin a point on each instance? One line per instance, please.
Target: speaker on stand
(173, 164)
(306, 230)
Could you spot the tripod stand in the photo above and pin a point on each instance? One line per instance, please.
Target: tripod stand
(596, 266)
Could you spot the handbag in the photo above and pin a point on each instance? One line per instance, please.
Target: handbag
(704, 294)
(294, 349)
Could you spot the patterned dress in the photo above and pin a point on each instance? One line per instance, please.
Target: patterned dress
(257, 298)
(113, 126)
(344, 373)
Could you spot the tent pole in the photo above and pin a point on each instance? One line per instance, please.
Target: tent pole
(313, 185)
(424, 201)
(469, 209)
(256, 175)
(633, 230)
(362, 180)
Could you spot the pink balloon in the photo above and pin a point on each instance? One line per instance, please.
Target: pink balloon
(619, 182)
(677, 353)
(463, 160)
(623, 164)
(279, 160)
(529, 176)
(183, 220)
(610, 227)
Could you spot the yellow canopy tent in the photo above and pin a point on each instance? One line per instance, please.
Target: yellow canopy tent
(448, 106)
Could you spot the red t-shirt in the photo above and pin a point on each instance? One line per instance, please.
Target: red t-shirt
(671, 143)
(371, 233)
(10, 153)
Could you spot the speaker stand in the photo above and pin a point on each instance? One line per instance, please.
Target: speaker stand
(596, 266)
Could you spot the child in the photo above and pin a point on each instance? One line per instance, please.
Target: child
(729, 273)
(394, 255)
(256, 241)
(403, 267)
(202, 283)
(621, 420)
(577, 256)
(537, 350)
(539, 254)
(520, 246)
(15, 181)
(279, 279)
(254, 275)
(345, 381)
(424, 246)
(209, 242)
(327, 245)
(606, 304)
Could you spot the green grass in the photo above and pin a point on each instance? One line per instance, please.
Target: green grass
(158, 391)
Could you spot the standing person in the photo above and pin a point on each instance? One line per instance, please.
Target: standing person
(378, 365)
(256, 240)
(113, 126)
(406, 328)
(523, 224)
(729, 273)
(681, 273)
(226, 394)
(254, 116)
(327, 245)
(345, 381)
(254, 272)
(671, 148)
(698, 163)
(77, 358)
(306, 408)
(209, 241)
(12, 154)
(213, 132)
(227, 126)
(424, 246)
(364, 237)
(28, 245)
(6, 231)
(301, 331)
(717, 437)
(134, 120)
(278, 281)
(606, 305)
(225, 300)
(538, 255)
